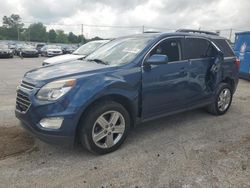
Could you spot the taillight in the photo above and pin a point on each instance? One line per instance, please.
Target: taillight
(237, 63)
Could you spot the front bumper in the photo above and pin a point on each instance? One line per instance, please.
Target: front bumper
(5, 54)
(30, 54)
(65, 136)
(50, 54)
(37, 110)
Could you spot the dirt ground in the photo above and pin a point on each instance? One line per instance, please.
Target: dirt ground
(14, 141)
(191, 149)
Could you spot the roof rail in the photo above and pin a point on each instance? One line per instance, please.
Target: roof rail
(196, 31)
(151, 32)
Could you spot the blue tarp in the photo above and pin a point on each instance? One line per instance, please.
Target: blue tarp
(242, 51)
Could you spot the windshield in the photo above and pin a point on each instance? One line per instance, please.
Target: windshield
(119, 51)
(87, 48)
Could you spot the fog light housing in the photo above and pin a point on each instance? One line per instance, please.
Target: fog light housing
(51, 123)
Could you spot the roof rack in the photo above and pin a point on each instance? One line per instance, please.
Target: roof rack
(196, 31)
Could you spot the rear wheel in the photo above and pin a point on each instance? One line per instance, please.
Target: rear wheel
(104, 127)
(222, 101)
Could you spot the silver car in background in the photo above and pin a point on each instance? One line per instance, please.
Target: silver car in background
(5, 51)
(51, 50)
(80, 53)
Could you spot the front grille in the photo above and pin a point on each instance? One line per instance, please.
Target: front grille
(27, 85)
(22, 102)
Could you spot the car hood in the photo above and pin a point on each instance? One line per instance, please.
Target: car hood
(54, 50)
(4, 50)
(63, 58)
(29, 49)
(73, 68)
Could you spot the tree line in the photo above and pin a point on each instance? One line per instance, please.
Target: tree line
(13, 29)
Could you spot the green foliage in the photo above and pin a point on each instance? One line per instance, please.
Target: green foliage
(37, 32)
(72, 38)
(61, 36)
(13, 21)
(52, 36)
(13, 29)
(81, 39)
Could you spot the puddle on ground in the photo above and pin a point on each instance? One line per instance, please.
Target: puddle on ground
(14, 141)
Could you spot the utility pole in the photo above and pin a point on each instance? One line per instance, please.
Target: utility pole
(29, 33)
(82, 32)
(230, 34)
(18, 37)
(143, 29)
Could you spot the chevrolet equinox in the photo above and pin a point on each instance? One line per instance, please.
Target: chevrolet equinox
(133, 79)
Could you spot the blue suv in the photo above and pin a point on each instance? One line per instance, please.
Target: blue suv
(129, 80)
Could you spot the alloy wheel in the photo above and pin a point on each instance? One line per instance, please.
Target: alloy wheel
(108, 129)
(224, 99)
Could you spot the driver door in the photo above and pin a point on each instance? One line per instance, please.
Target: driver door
(165, 86)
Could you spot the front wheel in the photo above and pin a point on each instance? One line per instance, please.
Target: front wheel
(223, 100)
(104, 127)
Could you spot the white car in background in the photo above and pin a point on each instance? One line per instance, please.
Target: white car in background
(51, 50)
(80, 53)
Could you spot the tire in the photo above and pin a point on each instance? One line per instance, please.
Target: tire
(217, 108)
(98, 133)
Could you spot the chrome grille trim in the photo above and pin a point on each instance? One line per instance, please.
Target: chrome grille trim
(27, 85)
(22, 102)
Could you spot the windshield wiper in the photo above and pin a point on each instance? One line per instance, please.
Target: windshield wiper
(98, 61)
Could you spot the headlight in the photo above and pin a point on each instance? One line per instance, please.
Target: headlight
(54, 90)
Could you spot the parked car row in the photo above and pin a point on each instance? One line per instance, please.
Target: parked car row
(51, 50)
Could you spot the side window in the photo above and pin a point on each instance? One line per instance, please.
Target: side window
(195, 48)
(211, 52)
(169, 47)
(224, 47)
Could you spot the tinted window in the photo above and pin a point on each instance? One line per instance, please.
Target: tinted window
(195, 48)
(224, 47)
(171, 48)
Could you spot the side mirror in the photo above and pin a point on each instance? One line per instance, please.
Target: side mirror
(157, 59)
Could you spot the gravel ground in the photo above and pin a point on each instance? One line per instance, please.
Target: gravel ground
(191, 149)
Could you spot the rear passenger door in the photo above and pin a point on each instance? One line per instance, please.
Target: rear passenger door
(201, 56)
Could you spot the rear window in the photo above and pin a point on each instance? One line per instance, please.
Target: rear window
(224, 47)
(195, 48)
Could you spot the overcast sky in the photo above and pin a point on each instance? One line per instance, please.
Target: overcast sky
(172, 14)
